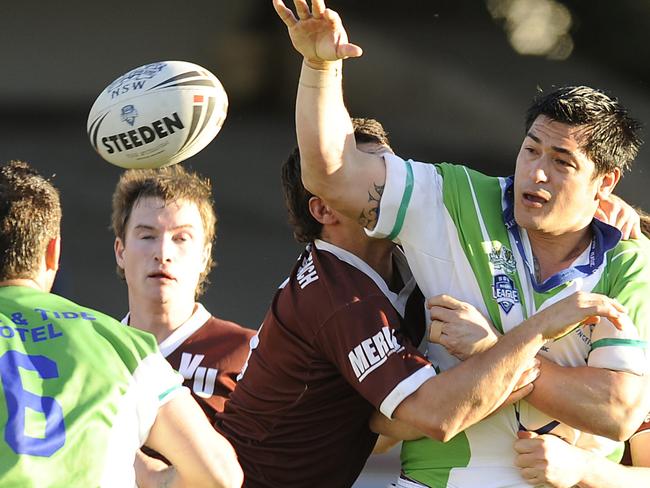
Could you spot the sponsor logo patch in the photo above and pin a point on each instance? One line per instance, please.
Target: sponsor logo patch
(373, 352)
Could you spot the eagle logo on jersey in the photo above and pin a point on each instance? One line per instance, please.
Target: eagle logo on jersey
(502, 259)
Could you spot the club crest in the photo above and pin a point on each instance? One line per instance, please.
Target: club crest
(502, 259)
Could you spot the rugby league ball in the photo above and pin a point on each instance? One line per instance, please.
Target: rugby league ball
(157, 115)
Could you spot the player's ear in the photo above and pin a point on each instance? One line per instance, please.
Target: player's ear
(321, 211)
(207, 251)
(608, 182)
(52, 254)
(118, 247)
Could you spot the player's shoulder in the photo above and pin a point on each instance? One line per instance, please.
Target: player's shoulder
(630, 252)
(227, 327)
(97, 328)
(343, 282)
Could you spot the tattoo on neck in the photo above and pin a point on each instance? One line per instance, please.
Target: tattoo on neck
(370, 214)
(538, 272)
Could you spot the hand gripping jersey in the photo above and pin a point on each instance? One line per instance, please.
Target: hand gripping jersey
(329, 352)
(78, 393)
(209, 353)
(458, 231)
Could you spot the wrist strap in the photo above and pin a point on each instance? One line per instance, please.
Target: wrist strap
(321, 78)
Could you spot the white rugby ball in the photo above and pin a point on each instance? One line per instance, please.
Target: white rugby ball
(157, 115)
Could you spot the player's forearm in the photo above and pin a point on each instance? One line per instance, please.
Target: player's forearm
(323, 126)
(594, 400)
(152, 473)
(602, 473)
(473, 389)
(395, 429)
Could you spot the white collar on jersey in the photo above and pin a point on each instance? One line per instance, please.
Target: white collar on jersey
(180, 335)
(397, 299)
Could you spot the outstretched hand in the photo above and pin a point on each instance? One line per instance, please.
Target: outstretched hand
(580, 307)
(317, 33)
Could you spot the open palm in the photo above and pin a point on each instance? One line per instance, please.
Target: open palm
(316, 33)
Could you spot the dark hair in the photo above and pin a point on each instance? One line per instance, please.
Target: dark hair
(296, 197)
(170, 184)
(30, 216)
(611, 138)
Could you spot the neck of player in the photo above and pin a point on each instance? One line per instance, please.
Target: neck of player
(376, 253)
(554, 253)
(160, 318)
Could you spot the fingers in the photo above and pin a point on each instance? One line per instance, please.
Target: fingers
(519, 394)
(435, 331)
(444, 301)
(608, 308)
(444, 314)
(631, 224)
(284, 13)
(348, 50)
(635, 232)
(601, 215)
(526, 434)
(344, 49)
(528, 376)
(317, 8)
(302, 9)
(622, 322)
(526, 443)
(532, 477)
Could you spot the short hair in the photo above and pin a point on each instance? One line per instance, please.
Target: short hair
(30, 217)
(296, 197)
(170, 184)
(611, 138)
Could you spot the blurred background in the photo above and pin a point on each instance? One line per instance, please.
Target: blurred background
(449, 79)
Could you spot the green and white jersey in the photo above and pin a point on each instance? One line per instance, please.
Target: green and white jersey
(458, 232)
(78, 393)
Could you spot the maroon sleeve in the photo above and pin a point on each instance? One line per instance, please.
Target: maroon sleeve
(360, 340)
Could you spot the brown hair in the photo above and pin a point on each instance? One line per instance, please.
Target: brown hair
(296, 197)
(170, 184)
(30, 216)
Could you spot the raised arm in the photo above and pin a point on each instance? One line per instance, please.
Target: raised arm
(351, 181)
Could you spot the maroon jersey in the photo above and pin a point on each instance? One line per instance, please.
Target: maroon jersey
(209, 353)
(328, 354)
(627, 456)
